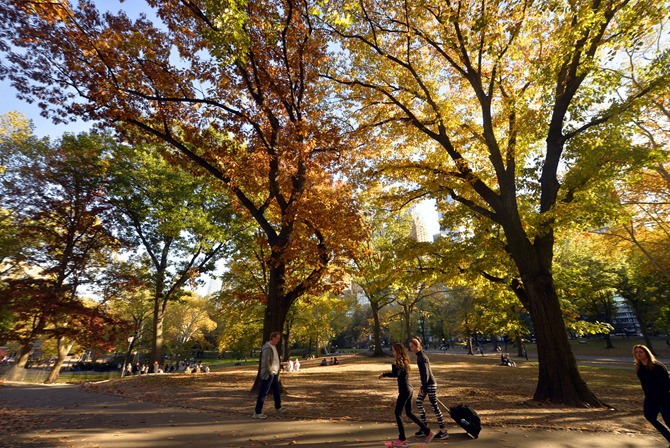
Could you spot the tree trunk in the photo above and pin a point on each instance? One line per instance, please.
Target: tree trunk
(423, 329)
(127, 359)
(647, 340)
(16, 373)
(559, 380)
(407, 314)
(64, 348)
(157, 340)
(377, 330)
(642, 320)
(24, 354)
(608, 318)
(286, 352)
(276, 311)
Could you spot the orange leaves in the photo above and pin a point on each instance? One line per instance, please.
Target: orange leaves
(50, 10)
(241, 105)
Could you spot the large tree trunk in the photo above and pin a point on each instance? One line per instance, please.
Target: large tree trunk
(407, 317)
(559, 380)
(64, 348)
(160, 304)
(24, 354)
(17, 372)
(276, 311)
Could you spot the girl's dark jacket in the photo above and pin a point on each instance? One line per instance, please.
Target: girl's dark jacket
(427, 377)
(655, 382)
(403, 378)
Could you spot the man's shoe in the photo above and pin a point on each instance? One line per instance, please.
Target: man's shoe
(282, 409)
(259, 416)
(430, 436)
(442, 435)
(419, 433)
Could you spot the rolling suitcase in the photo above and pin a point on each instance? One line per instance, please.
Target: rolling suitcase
(467, 419)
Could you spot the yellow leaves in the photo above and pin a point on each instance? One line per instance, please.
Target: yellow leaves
(342, 19)
(14, 126)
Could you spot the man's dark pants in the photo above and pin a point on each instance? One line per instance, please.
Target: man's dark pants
(271, 383)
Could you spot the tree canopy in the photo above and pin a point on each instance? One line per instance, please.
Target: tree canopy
(483, 115)
(54, 197)
(232, 89)
(513, 116)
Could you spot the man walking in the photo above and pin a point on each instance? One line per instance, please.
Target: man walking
(269, 375)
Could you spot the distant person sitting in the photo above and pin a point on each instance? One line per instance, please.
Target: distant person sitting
(324, 362)
(505, 361)
(335, 361)
(296, 365)
(289, 365)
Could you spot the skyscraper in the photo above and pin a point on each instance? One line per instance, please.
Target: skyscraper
(419, 230)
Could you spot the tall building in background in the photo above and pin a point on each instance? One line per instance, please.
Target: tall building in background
(419, 230)
(624, 320)
(439, 231)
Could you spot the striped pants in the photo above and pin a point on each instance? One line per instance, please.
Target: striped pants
(431, 391)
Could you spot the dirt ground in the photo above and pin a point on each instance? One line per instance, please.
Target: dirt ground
(352, 392)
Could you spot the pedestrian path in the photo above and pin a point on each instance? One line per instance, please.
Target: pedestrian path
(70, 415)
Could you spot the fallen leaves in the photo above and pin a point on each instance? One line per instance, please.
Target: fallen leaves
(350, 393)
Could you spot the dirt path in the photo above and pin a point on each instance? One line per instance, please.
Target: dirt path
(62, 416)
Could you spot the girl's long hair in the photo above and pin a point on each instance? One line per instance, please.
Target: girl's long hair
(401, 357)
(650, 357)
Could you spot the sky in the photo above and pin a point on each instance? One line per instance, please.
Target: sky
(44, 127)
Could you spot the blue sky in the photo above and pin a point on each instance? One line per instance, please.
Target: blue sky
(44, 127)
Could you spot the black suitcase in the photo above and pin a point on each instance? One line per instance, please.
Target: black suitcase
(467, 419)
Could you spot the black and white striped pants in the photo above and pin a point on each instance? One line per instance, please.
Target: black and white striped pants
(431, 391)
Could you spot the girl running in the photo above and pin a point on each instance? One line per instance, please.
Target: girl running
(400, 370)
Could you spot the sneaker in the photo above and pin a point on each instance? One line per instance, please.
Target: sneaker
(397, 443)
(259, 416)
(282, 409)
(442, 435)
(430, 436)
(419, 433)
